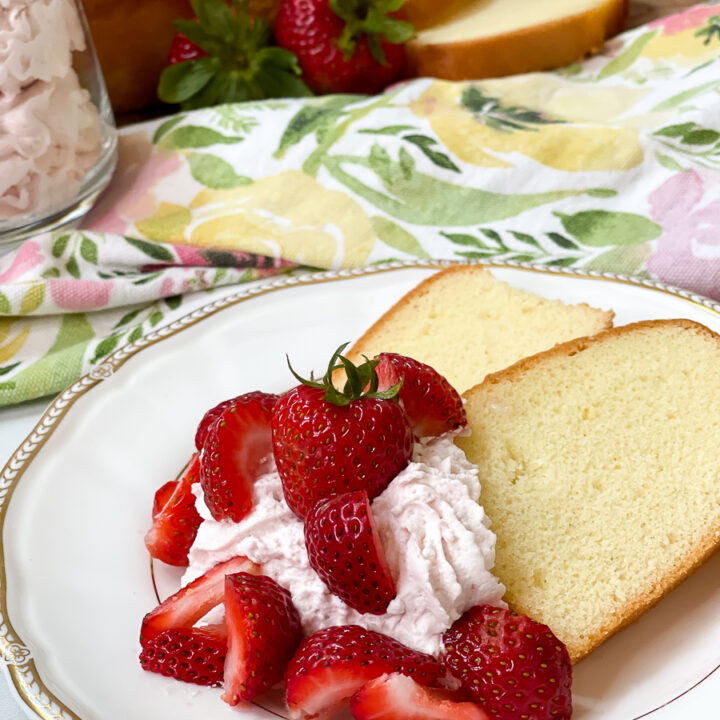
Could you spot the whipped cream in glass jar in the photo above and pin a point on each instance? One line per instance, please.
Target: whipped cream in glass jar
(57, 133)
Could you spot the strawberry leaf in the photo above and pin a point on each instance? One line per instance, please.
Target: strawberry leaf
(240, 66)
(180, 82)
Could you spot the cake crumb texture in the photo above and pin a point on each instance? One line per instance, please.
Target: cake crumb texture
(600, 469)
(466, 324)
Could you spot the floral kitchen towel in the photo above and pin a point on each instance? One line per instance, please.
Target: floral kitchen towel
(611, 164)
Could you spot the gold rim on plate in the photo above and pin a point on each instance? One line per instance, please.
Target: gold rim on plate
(13, 651)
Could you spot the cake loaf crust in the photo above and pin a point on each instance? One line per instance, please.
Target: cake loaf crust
(600, 464)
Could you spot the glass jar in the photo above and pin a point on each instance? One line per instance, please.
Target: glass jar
(57, 132)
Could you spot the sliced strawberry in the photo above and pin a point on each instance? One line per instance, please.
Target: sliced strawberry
(431, 403)
(193, 655)
(511, 665)
(344, 549)
(209, 419)
(175, 519)
(264, 631)
(333, 664)
(162, 495)
(196, 599)
(236, 446)
(399, 697)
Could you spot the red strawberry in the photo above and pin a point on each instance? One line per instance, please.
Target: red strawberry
(263, 633)
(344, 550)
(193, 655)
(162, 495)
(175, 519)
(235, 448)
(183, 49)
(398, 697)
(196, 599)
(223, 56)
(328, 442)
(351, 46)
(209, 419)
(431, 403)
(333, 664)
(511, 665)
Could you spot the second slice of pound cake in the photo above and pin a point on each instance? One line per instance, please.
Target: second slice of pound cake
(600, 470)
(466, 324)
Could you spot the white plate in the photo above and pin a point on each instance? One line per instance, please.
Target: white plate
(75, 578)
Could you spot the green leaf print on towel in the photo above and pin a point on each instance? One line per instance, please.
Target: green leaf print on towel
(61, 365)
(214, 172)
(420, 199)
(601, 228)
(491, 112)
(196, 136)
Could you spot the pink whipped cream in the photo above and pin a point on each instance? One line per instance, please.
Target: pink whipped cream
(50, 131)
(435, 535)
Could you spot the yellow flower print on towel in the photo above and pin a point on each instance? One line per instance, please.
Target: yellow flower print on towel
(475, 126)
(288, 215)
(11, 344)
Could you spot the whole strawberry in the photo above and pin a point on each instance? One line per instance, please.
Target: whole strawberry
(223, 56)
(345, 46)
(328, 441)
(511, 665)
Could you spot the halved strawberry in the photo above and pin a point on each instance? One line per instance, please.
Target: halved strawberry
(162, 495)
(511, 665)
(344, 549)
(175, 519)
(431, 403)
(196, 599)
(333, 664)
(264, 631)
(236, 447)
(209, 419)
(193, 655)
(399, 697)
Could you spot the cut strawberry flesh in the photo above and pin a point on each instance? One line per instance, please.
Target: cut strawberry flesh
(333, 664)
(194, 601)
(399, 697)
(234, 453)
(162, 495)
(431, 403)
(264, 631)
(175, 518)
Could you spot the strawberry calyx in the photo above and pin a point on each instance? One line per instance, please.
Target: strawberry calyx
(233, 63)
(372, 18)
(362, 380)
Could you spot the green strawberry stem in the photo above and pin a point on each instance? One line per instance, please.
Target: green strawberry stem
(371, 18)
(239, 65)
(362, 380)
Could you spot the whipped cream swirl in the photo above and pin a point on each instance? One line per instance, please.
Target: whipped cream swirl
(435, 535)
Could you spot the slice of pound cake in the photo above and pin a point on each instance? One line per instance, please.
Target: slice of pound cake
(600, 470)
(466, 324)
